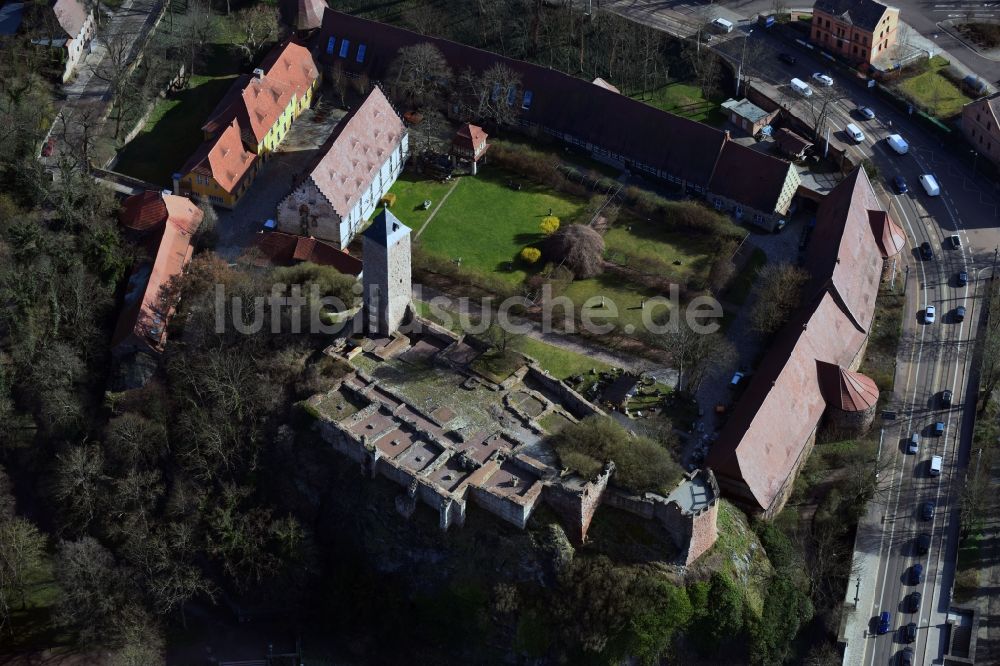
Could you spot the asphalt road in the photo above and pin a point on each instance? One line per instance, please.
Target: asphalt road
(936, 356)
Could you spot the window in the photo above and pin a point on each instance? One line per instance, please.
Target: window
(329, 45)
(511, 95)
(526, 102)
(345, 46)
(361, 52)
(718, 204)
(495, 93)
(215, 199)
(758, 218)
(739, 211)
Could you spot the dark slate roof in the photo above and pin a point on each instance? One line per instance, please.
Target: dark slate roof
(749, 176)
(862, 13)
(11, 16)
(618, 391)
(385, 229)
(684, 148)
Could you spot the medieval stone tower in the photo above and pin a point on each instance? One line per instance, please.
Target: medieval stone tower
(386, 273)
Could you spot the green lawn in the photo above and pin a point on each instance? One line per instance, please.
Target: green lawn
(173, 131)
(411, 190)
(33, 626)
(626, 297)
(932, 91)
(649, 248)
(560, 362)
(685, 100)
(486, 223)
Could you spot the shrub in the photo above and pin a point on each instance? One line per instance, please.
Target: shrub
(641, 463)
(531, 255)
(579, 247)
(549, 225)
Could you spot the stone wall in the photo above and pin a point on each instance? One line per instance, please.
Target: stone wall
(306, 212)
(857, 422)
(577, 505)
(572, 401)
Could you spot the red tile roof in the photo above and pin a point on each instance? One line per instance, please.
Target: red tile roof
(760, 447)
(357, 150)
(846, 390)
(284, 249)
(469, 138)
(224, 158)
(148, 210)
(256, 102)
(71, 16)
(148, 304)
(303, 14)
(291, 64)
(889, 236)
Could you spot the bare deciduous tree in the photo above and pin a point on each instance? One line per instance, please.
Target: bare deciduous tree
(778, 292)
(258, 25)
(419, 75)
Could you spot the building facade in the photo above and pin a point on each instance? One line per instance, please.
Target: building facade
(857, 30)
(386, 276)
(220, 171)
(981, 126)
(361, 161)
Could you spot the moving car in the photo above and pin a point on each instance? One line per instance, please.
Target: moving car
(787, 58)
(938, 428)
(923, 543)
(956, 242)
(801, 87)
(883, 622)
(925, 251)
(866, 113)
(897, 143)
(934, 469)
(854, 132)
(900, 184)
(914, 445)
(930, 314)
(946, 398)
(930, 184)
(960, 313)
(722, 25)
(823, 79)
(906, 657)
(916, 578)
(910, 630)
(963, 278)
(927, 510)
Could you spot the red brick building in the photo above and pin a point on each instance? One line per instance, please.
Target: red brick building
(857, 30)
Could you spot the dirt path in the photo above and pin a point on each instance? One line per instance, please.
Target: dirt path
(437, 208)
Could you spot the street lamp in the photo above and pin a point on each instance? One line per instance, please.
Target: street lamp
(975, 161)
(739, 73)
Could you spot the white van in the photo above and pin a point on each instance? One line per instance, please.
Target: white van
(722, 25)
(935, 466)
(802, 88)
(930, 184)
(855, 133)
(897, 143)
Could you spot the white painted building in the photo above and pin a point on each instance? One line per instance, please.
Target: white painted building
(362, 160)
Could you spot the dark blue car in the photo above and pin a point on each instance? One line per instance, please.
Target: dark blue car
(900, 184)
(883, 622)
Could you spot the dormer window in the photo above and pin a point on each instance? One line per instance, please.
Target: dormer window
(361, 53)
(330, 44)
(511, 95)
(526, 101)
(345, 46)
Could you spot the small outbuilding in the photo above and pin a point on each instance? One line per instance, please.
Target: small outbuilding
(468, 146)
(748, 116)
(791, 144)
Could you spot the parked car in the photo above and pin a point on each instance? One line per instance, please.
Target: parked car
(956, 241)
(866, 113)
(923, 543)
(926, 252)
(913, 601)
(883, 622)
(914, 444)
(930, 314)
(906, 657)
(927, 510)
(960, 313)
(938, 428)
(910, 632)
(916, 578)
(963, 278)
(900, 184)
(737, 378)
(823, 79)
(787, 58)
(946, 396)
